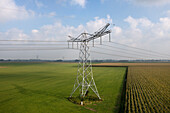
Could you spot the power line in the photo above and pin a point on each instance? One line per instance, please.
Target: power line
(118, 51)
(30, 45)
(154, 52)
(117, 55)
(135, 51)
(30, 41)
(139, 48)
(30, 49)
(122, 49)
(14, 49)
(114, 55)
(145, 52)
(144, 56)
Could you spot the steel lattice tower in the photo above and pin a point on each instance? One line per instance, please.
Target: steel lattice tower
(85, 79)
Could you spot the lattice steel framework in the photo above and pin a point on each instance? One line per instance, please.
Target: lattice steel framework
(85, 79)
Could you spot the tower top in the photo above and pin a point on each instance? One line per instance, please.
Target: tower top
(101, 32)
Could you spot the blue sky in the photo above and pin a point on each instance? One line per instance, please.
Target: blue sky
(136, 21)
(75, 14)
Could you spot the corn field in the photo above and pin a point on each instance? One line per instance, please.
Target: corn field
(148, 89)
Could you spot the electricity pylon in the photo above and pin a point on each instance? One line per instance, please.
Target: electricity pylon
(85, 79)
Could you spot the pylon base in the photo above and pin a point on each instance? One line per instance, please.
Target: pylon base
(86, 100)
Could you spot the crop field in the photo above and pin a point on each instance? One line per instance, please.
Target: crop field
(45, 87)
(148, 89)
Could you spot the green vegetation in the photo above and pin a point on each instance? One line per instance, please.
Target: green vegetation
(148, 89)
(86, 100)
(45, 87)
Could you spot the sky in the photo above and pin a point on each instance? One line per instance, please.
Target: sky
(138, 23)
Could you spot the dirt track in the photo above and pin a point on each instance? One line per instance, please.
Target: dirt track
(2, 67)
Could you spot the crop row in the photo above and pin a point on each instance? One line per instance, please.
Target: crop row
(148, 90)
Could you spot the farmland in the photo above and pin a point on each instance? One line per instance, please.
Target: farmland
(148, 89)
(44, 87)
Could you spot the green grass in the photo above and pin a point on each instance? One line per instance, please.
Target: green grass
(44, 88)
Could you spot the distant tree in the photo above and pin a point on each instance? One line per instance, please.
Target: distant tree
(76, 60)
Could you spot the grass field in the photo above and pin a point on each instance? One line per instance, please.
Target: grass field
(44, 88)
(148, 89)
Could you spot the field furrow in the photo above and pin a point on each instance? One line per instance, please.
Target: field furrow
(149, 88)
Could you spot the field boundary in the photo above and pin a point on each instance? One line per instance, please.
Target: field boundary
(123, 93)
(120, 101)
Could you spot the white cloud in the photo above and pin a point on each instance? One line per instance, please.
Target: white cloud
(71, 16)
(151, 2)
(133, 23)
(143, 22)
(94, 25)
(57, 31)
(117, 30)
(82, 3)
(14, 34)
(39, 4)
(168, 13)
(51, 14)
(141, 32)
(35, 31)
(10, 11)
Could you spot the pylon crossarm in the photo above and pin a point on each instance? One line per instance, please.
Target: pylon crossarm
(86, 37)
